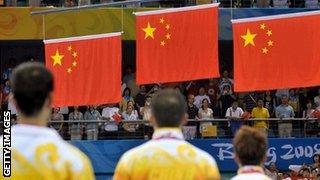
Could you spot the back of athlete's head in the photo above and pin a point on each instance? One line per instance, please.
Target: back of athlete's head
(250, 146)
(168, 108)
(32, 85)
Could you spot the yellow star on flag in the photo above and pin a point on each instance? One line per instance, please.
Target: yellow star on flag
(265, 50)
(168, 26)
(74, 54)
(69, 48)
(69, 70)
(163, 43)
(248, 38)
(161, 20)
(148, 31)
(74, 63)
(270, 43)
(269, 33)
(57, 58)
(168, 36)
(262, 26)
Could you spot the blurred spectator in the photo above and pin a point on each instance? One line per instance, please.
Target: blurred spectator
(312, 4)
(129, 75)
(304, 97)
(226, 97)
(205, 113)
(250, 148)
(5, 94)
(269, 102)
(64, 111)
(145, 111)
(284, 111)
(112, 114)
(308, 112)
(250, 101)
(317, 99)
(261, 113)
(130, 115)
(263, 3)
(272, 171)
(199, 98)
(57, 116)
(126, 96)
(192, 109)
(12, 108)
(212, 89)
(192, 87)
(92, 128)
(69, 3)
(294, 101)
(280, 93)
(141, 97)
(280, 3)
(316, 161)
(154, 90)
(234, 113)
(225, 81)
(75, 129)
(297, 3)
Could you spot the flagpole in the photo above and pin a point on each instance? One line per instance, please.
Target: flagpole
(93, 6)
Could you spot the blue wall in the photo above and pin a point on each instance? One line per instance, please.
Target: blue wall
(104, 154)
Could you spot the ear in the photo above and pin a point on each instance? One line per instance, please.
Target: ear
(152, 121)
(237, 160)
(184, 120)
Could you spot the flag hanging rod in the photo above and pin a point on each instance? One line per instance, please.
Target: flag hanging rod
(77, 8)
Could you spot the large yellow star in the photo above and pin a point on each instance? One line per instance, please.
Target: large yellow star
(57, 58)
(248, 38)
(149, 31)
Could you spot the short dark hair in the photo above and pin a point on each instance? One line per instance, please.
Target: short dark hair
(32, 84)
(168, 107)
(250, 146)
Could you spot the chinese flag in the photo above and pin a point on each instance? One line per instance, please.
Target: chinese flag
(87, 70)
(277, 52)
(178, 44)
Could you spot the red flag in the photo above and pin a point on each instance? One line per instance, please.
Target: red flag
(277, 52)
(87, 70)
(177, 44)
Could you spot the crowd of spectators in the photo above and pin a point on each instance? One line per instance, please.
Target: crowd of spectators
(297, 172)
(207, 99)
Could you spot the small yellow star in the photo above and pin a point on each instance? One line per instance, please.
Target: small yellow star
(265, 50)
(248, 38)
(162, 43)
(148, 31)
(57, 58)
(74, 54)
(269, 33)
(161, 20)
(262, 26)
(69, 70)
(270, 43)
(168, 26)
(168, 36)
(74, 63)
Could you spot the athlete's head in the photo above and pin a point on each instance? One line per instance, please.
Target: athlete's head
(32, 86)
(168, 109)
(250, 146)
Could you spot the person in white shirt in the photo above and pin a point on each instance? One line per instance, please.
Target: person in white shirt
(130, 115)
(205, 113)
(234, 113)
(199, 98)
(250, 148)
(38, 152)
(109, 113)
(167, 155)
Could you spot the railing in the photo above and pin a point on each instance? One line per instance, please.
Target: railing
(206, 128)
